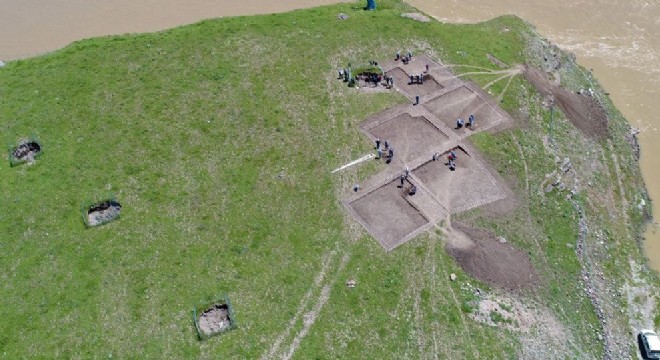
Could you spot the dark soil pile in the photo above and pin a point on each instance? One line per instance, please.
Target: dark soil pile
(492, 261)
(215, 320)
(585, 112)
(103, 212)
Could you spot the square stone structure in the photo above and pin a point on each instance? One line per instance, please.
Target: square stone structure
(469, 186)
(411, 136)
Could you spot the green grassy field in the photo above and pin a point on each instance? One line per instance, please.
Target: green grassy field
(218, 139)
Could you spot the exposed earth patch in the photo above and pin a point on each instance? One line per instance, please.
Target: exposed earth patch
(103, 212)
(411, 136)
(26, 151)
(584, 111)
(215, 320)
(483, 256)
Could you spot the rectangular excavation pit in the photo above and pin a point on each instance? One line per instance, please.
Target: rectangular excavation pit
(410, 136)
(459, 104)
(214, 318)
(101, 212)
(402, 78)
(468, 186)
(388, 214)
(25, 151)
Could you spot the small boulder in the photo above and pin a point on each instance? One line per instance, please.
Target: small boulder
(452, 277)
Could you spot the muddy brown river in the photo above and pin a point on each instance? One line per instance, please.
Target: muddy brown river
(618, 39)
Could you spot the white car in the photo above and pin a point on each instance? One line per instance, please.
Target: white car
(649, 344)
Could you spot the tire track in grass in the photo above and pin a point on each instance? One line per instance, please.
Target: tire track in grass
(301, 307)
(463, 321)
(310, 318)
(522, 156)
(435, 328)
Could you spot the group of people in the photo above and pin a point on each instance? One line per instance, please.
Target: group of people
(416, 79)
(451, 159)
(345, 74)
(387, 147)
(460, 123)
(403, 178)
(375, 78)
(406, 59)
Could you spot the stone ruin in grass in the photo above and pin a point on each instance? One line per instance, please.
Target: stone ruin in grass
(214, 319)
(25, 151)
(102, 213)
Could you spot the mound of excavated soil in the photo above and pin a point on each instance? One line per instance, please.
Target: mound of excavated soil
(215, 320)
(483, 256)
(583, 111)
(101, 213)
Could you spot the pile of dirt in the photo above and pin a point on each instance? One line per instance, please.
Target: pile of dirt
(585, 112)
(486, 258)
(215, 320)
(26, 151)
(103, 212)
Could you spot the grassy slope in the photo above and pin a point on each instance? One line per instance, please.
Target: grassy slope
(190, 128)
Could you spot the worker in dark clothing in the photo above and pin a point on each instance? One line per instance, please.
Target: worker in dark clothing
(452, 165)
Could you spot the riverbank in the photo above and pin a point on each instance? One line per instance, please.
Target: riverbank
(618, 42)
(220, 138)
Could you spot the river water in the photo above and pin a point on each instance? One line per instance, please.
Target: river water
(618, 39)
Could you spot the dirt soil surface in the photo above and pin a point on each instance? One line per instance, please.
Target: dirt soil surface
(466, 187)
(489, 260)
(388, 212)
(417, 132)
(215, 320)
(416, 16)
(459, 104)
(585, 112)
(402, 78)
(411, 136)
